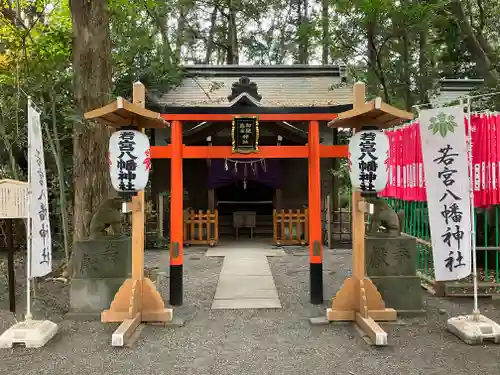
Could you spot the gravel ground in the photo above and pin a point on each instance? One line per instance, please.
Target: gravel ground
(252, 341)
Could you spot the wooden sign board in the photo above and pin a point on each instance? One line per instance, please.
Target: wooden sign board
(13, 199)
(245, 135)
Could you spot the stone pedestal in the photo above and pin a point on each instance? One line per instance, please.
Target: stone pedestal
(100, 266)
(391, 265)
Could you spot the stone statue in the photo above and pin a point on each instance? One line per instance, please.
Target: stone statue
(383, 215)
(107, 215)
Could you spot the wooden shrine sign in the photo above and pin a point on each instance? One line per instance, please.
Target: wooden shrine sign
(245, 135)
(13, 205)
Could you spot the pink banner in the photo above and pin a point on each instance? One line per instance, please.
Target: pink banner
(406, 172)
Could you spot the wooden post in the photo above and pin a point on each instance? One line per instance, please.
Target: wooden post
(161, 214)
(10, 265)
(211, 192)
(315, 246)
(139, 97)
(137, 300)
(278, 199)
(358, 299)
(329, 220)
(176, 217)
(211, 199)
(358, 218)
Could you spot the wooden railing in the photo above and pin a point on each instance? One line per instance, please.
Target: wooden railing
(201, 227)
(291, 227)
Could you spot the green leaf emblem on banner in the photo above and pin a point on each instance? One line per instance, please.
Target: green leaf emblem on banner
(442, 124)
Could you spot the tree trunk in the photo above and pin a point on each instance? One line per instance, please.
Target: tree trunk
(92, 89)
(232, 36)
(211, 34)
(55, 146)
(372, 81)
(423, 66)
(406, 70)
(325, 53)
(325, 32)
(479, 55)
(181, 25)
(303, 32)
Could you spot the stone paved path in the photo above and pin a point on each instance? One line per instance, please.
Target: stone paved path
(245, 281)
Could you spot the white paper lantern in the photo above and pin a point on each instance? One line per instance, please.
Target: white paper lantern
(129, 160)
(369, 161)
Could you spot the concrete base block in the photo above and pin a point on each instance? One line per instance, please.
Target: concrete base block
(83, 316)
(175, 322)
(410, 313)
(319, 321)
(474, 330)
(31, 333)
(402, 293)
(92, 296)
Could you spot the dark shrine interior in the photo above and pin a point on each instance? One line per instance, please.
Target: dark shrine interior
(255, 197)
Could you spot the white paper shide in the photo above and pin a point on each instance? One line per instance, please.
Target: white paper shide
(369, 161)
(41, 241)
(444, 151)
(129, 160)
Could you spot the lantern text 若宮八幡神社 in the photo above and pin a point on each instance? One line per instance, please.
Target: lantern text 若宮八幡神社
(368, 161)
(129, 160)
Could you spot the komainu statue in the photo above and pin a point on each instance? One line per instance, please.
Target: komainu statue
(383, 215)
(108, 215)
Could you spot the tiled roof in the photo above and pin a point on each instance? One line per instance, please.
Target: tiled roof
(451, 90)
(290, 85)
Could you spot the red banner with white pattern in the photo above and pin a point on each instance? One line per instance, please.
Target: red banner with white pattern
(406, 170)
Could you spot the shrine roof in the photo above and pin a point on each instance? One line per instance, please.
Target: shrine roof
(277, 86)
(451, 90)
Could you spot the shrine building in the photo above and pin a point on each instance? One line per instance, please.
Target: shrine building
(263, 188)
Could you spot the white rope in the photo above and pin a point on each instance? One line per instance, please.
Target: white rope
(466, 97)
(245, 162)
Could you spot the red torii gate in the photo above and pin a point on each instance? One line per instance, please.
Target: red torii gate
(139, 301)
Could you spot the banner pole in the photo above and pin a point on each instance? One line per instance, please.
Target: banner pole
(28, 221)
(475, 311)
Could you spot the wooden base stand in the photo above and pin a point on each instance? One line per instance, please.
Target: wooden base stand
(360, 301)
(136, 301)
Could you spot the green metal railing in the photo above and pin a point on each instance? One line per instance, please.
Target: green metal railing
(487, 237)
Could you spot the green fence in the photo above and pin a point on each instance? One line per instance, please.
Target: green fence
(487, 237)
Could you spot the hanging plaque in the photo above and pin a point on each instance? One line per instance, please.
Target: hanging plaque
(245, 134)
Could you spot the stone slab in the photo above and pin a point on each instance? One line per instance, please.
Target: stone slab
(83, 316)
(247, 293)
(96, 258)
(255, 261)
(246, 282)
(257, 267)
(410, 313)
(391, 256)
(319, 321)
(93, 295)
(236, 304)
(400, 292)
(225, 251)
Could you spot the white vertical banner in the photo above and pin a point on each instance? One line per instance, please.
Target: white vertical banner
(444, 151)
(41, 241)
